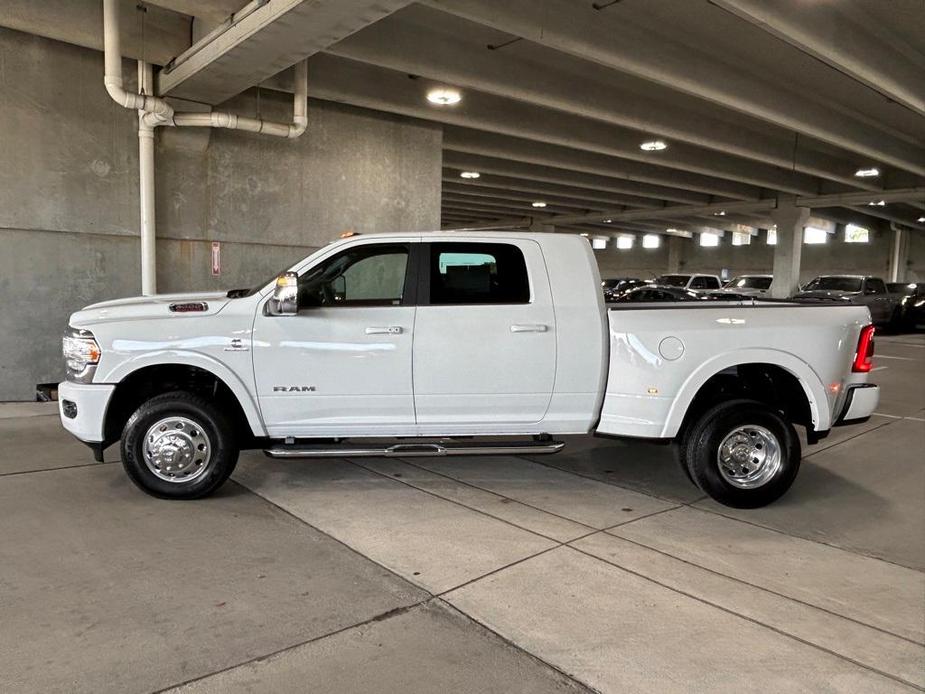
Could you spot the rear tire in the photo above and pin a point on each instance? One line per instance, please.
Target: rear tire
(743, 453)
(178, 446)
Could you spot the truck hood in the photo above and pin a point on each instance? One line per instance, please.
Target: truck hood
(158, 306)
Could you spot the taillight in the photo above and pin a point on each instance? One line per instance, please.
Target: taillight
(863, 358)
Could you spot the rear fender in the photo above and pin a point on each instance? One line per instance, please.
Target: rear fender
(812, 385)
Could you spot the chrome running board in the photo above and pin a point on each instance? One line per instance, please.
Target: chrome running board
(409, 450)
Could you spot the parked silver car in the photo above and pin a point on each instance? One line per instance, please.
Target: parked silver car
(862, 290)
(749, 285)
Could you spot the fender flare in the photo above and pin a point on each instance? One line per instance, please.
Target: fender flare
(808, 379)
(201, 361)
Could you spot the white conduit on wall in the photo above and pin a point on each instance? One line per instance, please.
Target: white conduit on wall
(154, 111)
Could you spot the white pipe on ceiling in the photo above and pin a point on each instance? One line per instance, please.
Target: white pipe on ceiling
(154, 111)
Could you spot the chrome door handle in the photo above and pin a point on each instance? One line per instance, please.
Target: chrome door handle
(385, 330)
(528, 328)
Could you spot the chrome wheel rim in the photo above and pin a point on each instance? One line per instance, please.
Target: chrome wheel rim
(749, 456)
(176, 449)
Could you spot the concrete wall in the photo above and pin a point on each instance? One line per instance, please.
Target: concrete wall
(69, 195)
(833, 257)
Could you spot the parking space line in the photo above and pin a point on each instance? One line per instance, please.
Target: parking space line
(879, 368)
(889, 356)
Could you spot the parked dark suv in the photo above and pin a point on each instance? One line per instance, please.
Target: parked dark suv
(911, 303)
(856, 289)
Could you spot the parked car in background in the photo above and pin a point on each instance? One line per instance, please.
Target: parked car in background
(651, 293)
(753, 285)
(911, 304)
(694, 282)
(862, 290)
(614, 287)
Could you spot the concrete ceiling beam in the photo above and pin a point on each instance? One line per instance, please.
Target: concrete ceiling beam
(762, 205)
(462, 161)
(441, 47)
(261, 41)
(361, 84)
(525, 204)
(881, 61)
(489, 184)
(639, 178)
(633, 47)
(152, 33)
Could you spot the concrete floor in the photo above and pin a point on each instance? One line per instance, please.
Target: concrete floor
(600, 568)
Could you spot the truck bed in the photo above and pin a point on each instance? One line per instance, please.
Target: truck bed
(662, 354)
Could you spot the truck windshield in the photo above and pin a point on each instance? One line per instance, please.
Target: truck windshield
(672, 280)
(835, 284)
(749, 283)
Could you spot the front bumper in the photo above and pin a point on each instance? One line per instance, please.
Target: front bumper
(860, 403)
(82, 407)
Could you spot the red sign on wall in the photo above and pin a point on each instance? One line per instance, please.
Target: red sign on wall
(216, 258)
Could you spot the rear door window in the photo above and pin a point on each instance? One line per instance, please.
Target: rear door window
(478, 273)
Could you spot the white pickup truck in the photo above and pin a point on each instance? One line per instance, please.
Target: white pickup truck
(457, 344)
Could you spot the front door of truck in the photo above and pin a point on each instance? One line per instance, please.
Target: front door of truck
(484, 336)
(342, 365)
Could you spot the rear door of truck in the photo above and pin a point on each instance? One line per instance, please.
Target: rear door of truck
(485, 335)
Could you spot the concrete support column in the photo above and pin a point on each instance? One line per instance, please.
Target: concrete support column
(788, 252)
(675, 246)
(899, 254)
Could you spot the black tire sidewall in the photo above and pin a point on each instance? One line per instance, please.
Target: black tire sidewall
(706, 437)
(224, 455)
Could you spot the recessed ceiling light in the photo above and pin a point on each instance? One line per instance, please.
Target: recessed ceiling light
(444, 96)
(877, 203)
(653, 145)
(721, 213)
(539, 203)
(867, 173)
(921, 220)
(469, 174)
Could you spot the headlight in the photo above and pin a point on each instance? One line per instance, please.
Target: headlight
(81, 354)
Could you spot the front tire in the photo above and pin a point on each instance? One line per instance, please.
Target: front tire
(743, 453)
(178, 446)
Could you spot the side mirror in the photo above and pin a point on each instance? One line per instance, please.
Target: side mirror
(285, 300)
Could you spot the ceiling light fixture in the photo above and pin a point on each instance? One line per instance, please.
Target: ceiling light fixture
(653, 145)
(607, 221)
(877, 203)
(867, 173)
(444, 96)
(721, 213)
(469, 174)
(539, 203)
(921, 220)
